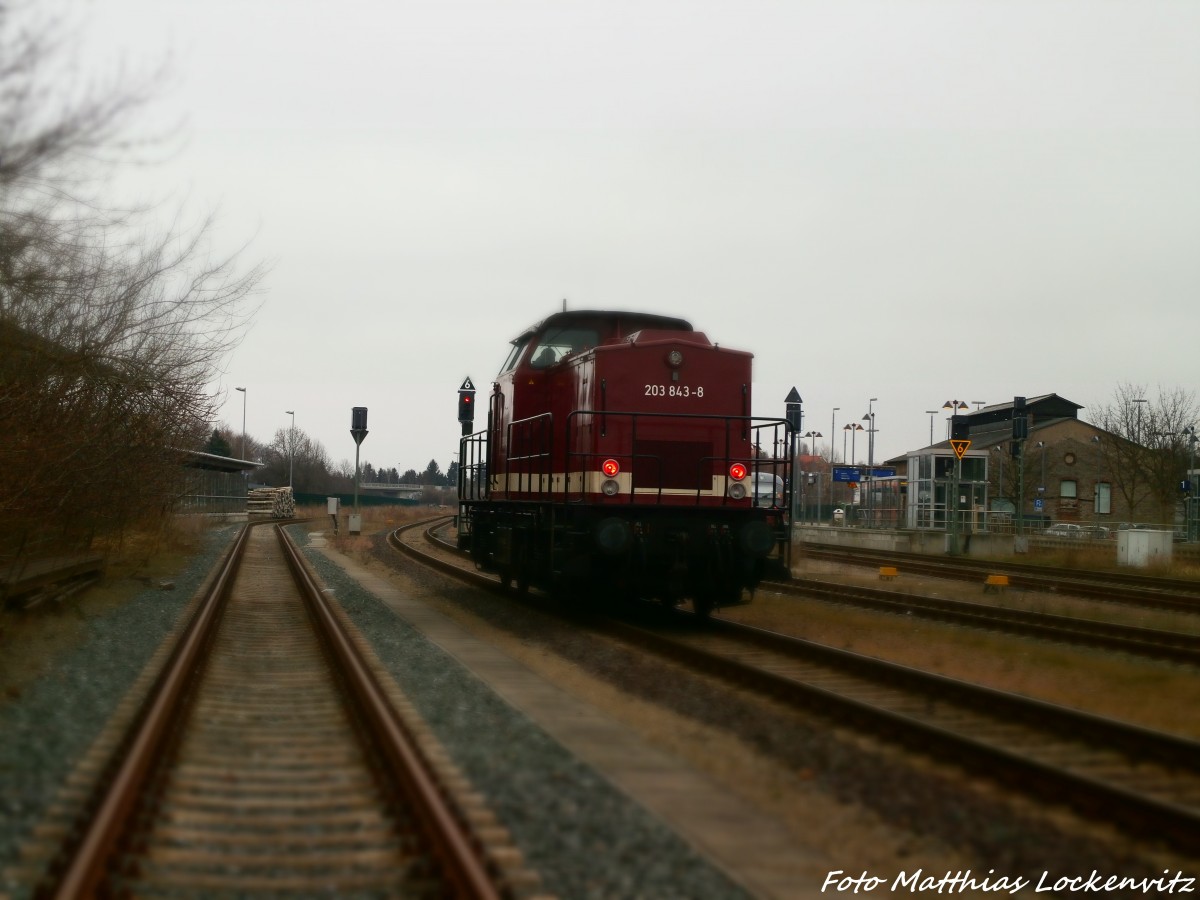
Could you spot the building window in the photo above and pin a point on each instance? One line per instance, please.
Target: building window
(1067, 494)
(1103, 498)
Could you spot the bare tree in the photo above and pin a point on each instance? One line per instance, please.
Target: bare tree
(108, 337)
(1147, 459)
(306, 459)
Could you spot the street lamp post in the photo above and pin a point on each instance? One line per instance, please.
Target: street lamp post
(854, 428)
(869, 418)
(832, 432)
(243, 390)
(954, 406)
(1138, 430)
(291, 444)
(931, 413)
(1096, 488)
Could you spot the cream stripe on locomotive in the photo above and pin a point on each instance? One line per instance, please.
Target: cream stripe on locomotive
(576, 481)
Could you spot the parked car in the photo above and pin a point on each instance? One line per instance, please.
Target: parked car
(768, 489)
(1096, 532)
(1064, 530)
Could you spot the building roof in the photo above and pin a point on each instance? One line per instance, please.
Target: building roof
(1043, 406)
(198, 459)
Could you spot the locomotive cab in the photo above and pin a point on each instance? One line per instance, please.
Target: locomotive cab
(620, 455)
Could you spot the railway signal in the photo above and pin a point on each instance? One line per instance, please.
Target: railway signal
(358, 431)
(795, 416)
(358, 424)
(466, 405)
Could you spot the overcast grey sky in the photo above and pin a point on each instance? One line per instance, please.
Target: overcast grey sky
(912, 201)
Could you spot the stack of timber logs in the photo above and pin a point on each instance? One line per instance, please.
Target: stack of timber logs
(275, 503)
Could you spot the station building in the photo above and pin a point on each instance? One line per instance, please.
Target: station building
(1061, 471)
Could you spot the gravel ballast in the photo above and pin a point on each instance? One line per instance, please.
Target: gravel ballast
(585, 838)
(53, 720)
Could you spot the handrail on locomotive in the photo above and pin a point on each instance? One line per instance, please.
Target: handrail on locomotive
(474, 482)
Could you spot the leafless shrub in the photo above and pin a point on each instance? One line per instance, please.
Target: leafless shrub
(109, 332)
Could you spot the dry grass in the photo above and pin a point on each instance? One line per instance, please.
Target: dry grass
(30, 641)
(132, 553)
(374, 520)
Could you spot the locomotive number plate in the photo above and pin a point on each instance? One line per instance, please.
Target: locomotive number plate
(674, 390)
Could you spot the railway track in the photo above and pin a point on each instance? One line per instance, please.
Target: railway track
(1141, 781)
(1177, 595)
(270, 757)
(1183, 647)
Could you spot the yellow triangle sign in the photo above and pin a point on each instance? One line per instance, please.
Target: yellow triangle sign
(960, 448)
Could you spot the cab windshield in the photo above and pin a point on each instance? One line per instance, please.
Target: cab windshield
(514, 354)
(557, 344)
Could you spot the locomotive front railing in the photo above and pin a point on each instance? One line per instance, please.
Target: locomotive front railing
(530, 455)
(528, 467)
(650, 487)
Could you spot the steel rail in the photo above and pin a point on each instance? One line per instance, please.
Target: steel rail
(1172, 821)
(86, 869)
(1156, 643)
(462, 863)
(459, 858)
(1177, 823)
(1173, 594)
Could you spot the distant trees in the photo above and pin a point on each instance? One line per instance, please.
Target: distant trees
(293, 453)
(217, 444)
(109, 332)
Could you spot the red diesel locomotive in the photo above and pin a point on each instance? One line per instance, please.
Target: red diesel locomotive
(619, 458)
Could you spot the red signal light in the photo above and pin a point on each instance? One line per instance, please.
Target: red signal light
(466, 406)
(737, 471)
(611, 468)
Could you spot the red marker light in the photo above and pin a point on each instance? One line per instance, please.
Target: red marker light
(737, 471)
(610, 468)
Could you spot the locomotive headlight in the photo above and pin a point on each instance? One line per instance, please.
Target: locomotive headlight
(674, 359)
(610, 488)
(737, 472)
